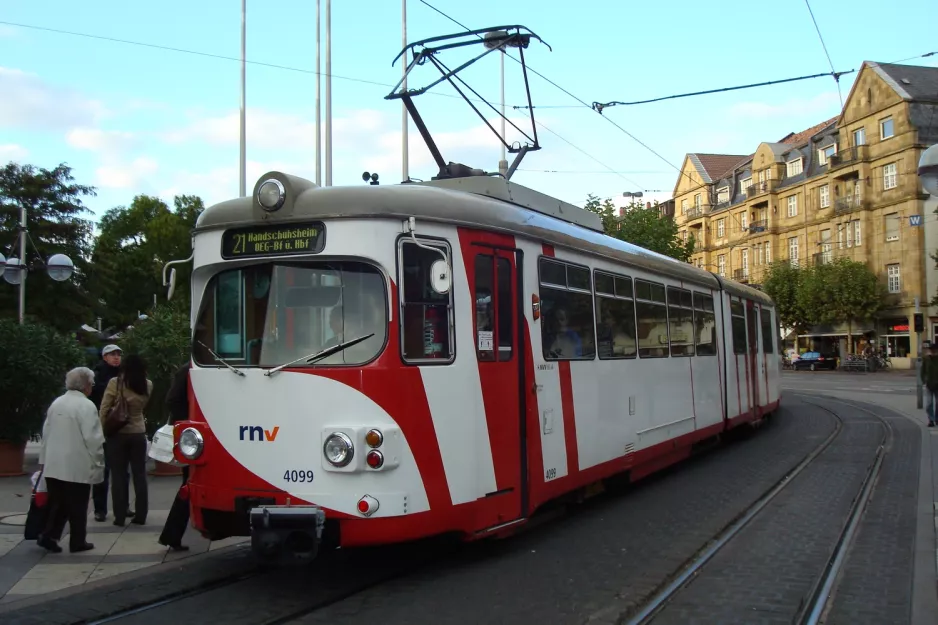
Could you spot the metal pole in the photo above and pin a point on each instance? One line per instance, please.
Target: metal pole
(405, 144)
(318, 109)
(328, 93)
(22, 268)
(503, 163)
(243, 162)
(918, 360)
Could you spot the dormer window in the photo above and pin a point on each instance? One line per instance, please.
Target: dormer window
(825, 153)
(793, 167)
(723, 195)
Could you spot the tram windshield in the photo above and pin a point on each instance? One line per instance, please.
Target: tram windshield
(270, 314)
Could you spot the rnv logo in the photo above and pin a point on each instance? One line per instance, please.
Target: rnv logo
(256, 432)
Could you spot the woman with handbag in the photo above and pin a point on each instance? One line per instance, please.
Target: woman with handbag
(125, 399)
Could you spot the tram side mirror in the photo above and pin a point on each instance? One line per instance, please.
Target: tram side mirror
(440, 277)
(172, 284)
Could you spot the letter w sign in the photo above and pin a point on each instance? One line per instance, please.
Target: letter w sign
(915, 220)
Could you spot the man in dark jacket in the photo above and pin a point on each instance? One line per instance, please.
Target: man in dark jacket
(108, 368)
(929, 375)
(177, 402)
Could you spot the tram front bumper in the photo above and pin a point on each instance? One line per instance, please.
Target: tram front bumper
(291, 533)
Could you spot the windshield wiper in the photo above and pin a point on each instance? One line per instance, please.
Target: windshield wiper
(219, 359)
(311, 358)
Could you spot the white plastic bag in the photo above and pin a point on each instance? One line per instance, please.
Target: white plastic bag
(42, 482)
(161, 447)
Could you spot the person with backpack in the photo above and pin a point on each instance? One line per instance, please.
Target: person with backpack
(177, 402)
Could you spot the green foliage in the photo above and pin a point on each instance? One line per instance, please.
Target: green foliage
(134, 245)
(642, 226)
(54, 212)
(163, 340)
(782, 283)
(33, 363)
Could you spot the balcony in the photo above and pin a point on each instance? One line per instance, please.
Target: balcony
(849, 204)
(759, 226)
(695, 211)
(822, 258)
(849, 156)
(758, 188)
(741, 275)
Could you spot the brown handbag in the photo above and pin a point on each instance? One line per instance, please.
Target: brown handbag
(117, 416)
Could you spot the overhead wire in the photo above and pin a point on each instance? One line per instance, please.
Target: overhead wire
(827, 54)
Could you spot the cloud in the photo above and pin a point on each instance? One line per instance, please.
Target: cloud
(221, 183)
(132, 175)
(109, 143)
(30, 103)
(8, 31)
(827, 103)
(12, 152)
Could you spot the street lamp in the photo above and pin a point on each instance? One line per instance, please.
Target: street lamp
(59, 266)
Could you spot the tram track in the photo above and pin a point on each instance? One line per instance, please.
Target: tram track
(815, 604)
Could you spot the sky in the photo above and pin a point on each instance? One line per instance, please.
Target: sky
(136, 119)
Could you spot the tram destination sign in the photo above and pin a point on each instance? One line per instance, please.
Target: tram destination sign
(279, 240)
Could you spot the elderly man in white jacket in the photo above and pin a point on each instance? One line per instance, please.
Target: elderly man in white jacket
(72, 456)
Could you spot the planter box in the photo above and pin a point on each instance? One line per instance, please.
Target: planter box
(12, 457)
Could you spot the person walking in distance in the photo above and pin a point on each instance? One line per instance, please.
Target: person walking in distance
(104, 371)
(128, 445)
(929, 375)
(177, 401)
(72, 459)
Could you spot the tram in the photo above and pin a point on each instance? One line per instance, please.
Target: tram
(377, 364)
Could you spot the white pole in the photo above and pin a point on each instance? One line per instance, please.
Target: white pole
(503, 164)
(328, 93)
(243, 161)
(405, 165)
(22, 267)
(318, 109)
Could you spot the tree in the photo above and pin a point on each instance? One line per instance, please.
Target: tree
(55, 225)
(782, 282)
(642, 226)
(854, 293)
(135, 243)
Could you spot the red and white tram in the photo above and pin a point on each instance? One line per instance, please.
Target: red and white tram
(376, 364)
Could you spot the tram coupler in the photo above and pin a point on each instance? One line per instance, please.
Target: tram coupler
(286, 534)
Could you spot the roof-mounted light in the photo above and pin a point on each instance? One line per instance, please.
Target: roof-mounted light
(271, 195)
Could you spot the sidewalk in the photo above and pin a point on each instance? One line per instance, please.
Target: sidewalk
(27, 570)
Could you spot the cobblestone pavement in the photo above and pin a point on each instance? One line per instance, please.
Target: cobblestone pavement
(765, 573)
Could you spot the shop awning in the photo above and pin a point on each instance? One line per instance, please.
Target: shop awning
(839, 329)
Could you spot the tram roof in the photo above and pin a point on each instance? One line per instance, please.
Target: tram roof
(478, 207)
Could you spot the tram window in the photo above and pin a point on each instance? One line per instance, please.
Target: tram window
(768, 345)
(269, 314)
(705, 325)
(489, 327)
(738, 315)
(651, 309)
(681, 320)
(505, 303)
(615, 317)
(566, 312)
(427, 327)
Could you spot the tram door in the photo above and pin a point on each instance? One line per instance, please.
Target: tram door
(499, 347)
(752, 314)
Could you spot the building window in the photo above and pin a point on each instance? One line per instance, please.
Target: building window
(721, 265)
(892, 227)
(768, 253)
(885, 128)
(615, 317)
(744, 257)
(825, 195)
(566, 311)
(793, 168)
(793, 250)
(651, 309)
(738, 314)
(859, 136)
(697, 201)
(889, 176)
(827, 254)
(856, 232)
(705, 325)
(684, 206)
(721, 228)
(792, 205)
(681, 319)
(723, 195)
(825, 153)
(892, 278)
(742, 221)
(745, 184)
(760, 259)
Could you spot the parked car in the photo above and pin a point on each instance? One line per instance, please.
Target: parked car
(815, 360)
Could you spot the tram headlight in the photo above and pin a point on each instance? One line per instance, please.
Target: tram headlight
(191, 443)
(338, 449)
(271, 194)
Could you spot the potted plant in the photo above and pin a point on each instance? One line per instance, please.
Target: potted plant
(163, 340)
(33, 363)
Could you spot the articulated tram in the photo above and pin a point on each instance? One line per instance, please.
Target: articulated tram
(376, 364)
